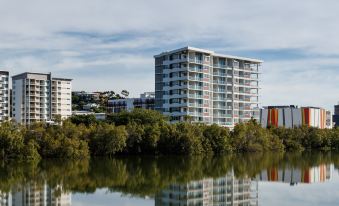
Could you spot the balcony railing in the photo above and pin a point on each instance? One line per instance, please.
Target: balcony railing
(195, 78)
(194, 60)
(195, 87)
(194, 69)
(196, 96)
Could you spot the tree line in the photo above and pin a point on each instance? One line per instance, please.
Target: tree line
(148, 132)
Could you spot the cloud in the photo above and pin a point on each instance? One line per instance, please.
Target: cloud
(296, 39)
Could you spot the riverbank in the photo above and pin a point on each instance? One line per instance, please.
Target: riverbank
(148, 132)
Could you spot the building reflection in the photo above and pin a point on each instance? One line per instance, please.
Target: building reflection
(36, 195)
(294, 176)
(222, 191)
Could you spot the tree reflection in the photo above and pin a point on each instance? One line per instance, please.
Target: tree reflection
(146, 175)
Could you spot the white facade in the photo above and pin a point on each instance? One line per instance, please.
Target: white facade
(39, 97)
(62, 97)
(4, 96)
(208, 87)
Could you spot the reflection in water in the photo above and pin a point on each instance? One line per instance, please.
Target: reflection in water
(226, 190)
(185, 181)
(33, 194)
(294, 176)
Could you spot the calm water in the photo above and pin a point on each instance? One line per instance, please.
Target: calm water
(261, 179)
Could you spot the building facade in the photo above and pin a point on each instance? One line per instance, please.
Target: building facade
(221, 191)
(293, 116)
(39, 97)
(336, 115)
(206, 86)
(145, 101)
(98, 116)
(61, 97)
(4, 96)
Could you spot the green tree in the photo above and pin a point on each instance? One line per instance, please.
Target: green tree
(217, 139)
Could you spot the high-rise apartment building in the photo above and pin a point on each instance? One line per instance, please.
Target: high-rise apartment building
(39, 97)
(206, 87)
(4, 96)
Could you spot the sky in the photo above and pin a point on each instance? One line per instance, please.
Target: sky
(110, 44)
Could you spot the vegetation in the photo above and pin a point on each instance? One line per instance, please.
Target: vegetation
(145, 175)
(148, 132)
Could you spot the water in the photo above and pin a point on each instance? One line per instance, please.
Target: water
(254, 179)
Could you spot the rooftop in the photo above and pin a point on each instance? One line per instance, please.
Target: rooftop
(208, 52)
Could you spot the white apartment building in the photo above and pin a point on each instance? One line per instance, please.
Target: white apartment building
(61, 97)
(4, 96)
(39, 97)
(206, 86)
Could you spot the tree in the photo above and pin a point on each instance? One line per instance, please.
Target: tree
(124, 93)
(216, 139)
(108, 140)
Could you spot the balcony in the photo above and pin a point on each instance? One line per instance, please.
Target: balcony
(219, 98)
(195, 60)
(219, 82)
(195, 113)
(192, 78)
(195, 105)
(194, 87)
(221, 115)
(195, 69)
(183, 104)
(220, 65)
(222, 74)
(219, 90)
(195, 96)
(172, 61)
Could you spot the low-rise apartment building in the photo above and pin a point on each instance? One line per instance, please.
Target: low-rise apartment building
(145, 101)
(293, 116)
(40, 97)
(4, 96)
(206, 86)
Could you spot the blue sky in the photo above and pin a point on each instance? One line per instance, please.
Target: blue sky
(109, 44)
